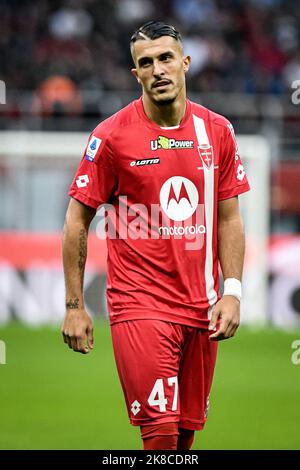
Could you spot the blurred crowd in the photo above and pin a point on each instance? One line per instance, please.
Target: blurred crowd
(61, 48)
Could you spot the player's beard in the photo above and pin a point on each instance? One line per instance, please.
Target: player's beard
(169, 97)
(165, 99)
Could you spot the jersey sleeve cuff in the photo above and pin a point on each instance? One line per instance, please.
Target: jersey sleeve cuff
(84, 199)
(227, 194)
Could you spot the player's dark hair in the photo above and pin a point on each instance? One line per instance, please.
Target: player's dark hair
(154, 30)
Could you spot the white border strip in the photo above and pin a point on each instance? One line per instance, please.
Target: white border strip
(208, 173)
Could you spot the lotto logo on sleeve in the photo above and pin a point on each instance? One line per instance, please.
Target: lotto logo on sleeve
(82, 181)
(92, 149)
(240, 174)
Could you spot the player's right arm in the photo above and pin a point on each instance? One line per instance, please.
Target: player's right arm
(93, 185)
(77, 328)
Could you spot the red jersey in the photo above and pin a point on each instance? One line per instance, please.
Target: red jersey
(162, 187)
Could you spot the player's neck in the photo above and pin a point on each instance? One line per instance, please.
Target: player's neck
(167, 115)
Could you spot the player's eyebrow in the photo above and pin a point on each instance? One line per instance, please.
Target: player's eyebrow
(145, 59)
(167, 53)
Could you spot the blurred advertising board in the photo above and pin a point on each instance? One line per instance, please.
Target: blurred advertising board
(32, 284)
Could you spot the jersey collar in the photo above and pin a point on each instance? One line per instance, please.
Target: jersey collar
(141, 112)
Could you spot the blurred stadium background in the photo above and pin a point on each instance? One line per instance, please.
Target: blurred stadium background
(65, 66)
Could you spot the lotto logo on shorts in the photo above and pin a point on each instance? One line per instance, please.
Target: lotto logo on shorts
(82, 181)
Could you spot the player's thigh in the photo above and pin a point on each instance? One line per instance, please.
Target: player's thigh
(195, 378)
(148, 353)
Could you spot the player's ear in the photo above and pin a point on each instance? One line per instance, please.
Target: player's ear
(134, 73)
(186, 63)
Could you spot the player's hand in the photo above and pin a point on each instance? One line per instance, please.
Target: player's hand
(228, 311)
(77, 330)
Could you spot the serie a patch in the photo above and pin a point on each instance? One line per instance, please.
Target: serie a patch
(92, 148)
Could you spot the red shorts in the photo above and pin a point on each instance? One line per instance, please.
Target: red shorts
(166, 371)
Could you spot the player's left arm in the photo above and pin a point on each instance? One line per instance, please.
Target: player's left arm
(231, 249)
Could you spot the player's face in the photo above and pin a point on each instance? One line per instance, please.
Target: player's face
(160, 68)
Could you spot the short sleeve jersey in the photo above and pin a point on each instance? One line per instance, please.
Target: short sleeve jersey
(161, 188)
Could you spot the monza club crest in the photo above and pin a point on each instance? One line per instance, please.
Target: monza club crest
(206, 153)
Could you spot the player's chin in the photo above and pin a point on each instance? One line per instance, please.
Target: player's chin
(164, 98)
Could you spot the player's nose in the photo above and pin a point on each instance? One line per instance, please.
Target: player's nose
(158, 69)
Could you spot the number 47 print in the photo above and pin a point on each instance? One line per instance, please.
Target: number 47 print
(159, 392)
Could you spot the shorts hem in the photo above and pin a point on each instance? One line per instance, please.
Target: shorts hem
(185, 423)
(150, 421)
(192, 425)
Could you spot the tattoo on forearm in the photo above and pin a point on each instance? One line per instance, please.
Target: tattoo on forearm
(82, 252)
(72, 303)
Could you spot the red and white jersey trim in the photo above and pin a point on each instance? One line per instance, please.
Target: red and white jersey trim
(203, 139)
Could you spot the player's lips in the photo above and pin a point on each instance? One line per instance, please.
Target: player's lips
(161, 83)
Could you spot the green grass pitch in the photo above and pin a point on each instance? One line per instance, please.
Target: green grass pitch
(53, 398)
